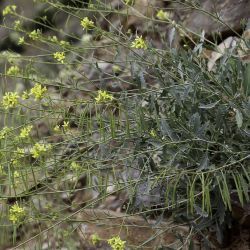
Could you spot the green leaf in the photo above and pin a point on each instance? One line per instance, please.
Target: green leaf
(167, 131)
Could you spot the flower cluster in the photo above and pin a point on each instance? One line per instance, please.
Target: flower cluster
(10, 9)
(74, 166)
(54, 39)
(116, 243)
(25, 95)
(65, 127)
(87, 24)
(13, 70)
(152, 133)
(24, 133)
(64, 43)
(20, 151)
(38, 91)
(35, 34)
(39, 149)
(139, 43)
(163, 15)
(103, 96)
(17, 25)
(16, 213)
(21, 40)
(59, 56)
(10, 100)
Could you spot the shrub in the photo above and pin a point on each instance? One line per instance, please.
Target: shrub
(112, 109)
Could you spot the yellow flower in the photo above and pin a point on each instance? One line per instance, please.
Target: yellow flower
(38, 91)
(116, 243)
(163, 15)
(57, 128)
(17, 25)
(64, 43)
(65, 126)
(103, 96)
(10, 9)
(25, 132)
(95, 239)
(39, 149)
(20, 151)
(35, 34)
(87, 24)
(53, 39)
(10, 100)
(139, 43)
(13, 70)
(16, 174)
(152, 133)
(25, 95)
(16, 213)
(21, 40)
(74, 166)
(59, 56)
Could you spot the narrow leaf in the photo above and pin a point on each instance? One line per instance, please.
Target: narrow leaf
(208, 106)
